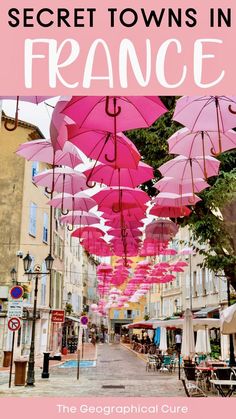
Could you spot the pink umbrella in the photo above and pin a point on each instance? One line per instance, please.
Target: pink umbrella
(114, 113)
(170, 212)
(161, 226)
(175, 200)
(120, 198)
(170, 252)
(80, 218)
(206, 113)
(32, 99)
(200, 143)
(99, 144)
(182, 167)
(58, 125)
(133, 214)
(79, 201)
(112, 176)
(42, 150)
(62, 180)
(180, 186)
(117, 232)
(86, 231)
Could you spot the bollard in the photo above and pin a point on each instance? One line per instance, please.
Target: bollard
(45, 373)
(78, 363)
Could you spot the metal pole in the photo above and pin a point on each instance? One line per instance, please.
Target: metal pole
(78, 364)
(30, 373)
(190, 284)
(179, 363)
(83, 344)
(11, 364)
(231, 342)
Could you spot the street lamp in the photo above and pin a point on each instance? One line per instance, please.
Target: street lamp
(36, 273)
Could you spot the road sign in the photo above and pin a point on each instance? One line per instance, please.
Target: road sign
(14, 324)
(16, 292)
(84, 320)
(15, 309)
(58, 316)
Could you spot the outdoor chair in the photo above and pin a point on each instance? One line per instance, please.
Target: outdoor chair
(190, 373)
(223, 373)
(192, 390)
(151, 364)
(167, 365)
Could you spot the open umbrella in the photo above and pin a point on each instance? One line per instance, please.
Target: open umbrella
(182, 167)
(62, 180)
(206, 113)
(120, 198)
(180, 186)
(112, 176)
(200, 143)
(228, 320)
(43, 151)
(98, 144)
(175, 200)
(114, 113)
(188, 345)
(79, 218)
(80, 201)
(170, 212)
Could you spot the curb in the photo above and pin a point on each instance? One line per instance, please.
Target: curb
(140, 356)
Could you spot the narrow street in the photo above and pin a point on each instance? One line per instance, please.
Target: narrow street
(118, 372)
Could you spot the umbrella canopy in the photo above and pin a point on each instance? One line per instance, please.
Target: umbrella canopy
(62, 180)
(163, 339)
(120, 198)
(203, 345)
(200, 323)
(98, 112)
(88, 232)
(112, 176)
(182, 167)
(228, 320)
(188, 345)
(80, 201)
(175, 200)
(206, 113)
(43, 151)
(181, 186)
(80, 218)
(99, 144)
(200, 143)
(170, 212)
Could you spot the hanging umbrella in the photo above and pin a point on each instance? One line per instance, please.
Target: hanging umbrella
(161, 226)
(170, 212)
(58, 125)
(182, 167)
(206, 113)
(112, 176)
(32, 99)
(120, 198)
(62, 180)
(163, 339)
(175, 200)
(181, 186)
(88, 231)
(200, 143)
(203, 345)
(188, 345)
(79, 218)
(114, 113)
(43, 151)
(80, 201)
(97, 145)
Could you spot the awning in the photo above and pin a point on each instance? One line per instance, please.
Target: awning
(74, 319)
(141, 325)
(205, 311)
(201, 323)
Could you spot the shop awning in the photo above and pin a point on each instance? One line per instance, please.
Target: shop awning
(205, 311)
(74, 319)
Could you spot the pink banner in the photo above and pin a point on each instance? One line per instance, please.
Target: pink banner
(132, 408)
(126, 47)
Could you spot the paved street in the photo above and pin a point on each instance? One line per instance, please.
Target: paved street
(116, 366)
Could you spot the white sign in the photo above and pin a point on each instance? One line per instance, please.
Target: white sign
(15, 309)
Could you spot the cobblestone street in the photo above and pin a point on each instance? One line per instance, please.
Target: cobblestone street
(118, 372)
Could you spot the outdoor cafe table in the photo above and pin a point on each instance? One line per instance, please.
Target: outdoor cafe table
(231, 384)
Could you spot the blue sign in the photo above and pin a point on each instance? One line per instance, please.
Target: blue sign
(16, 292)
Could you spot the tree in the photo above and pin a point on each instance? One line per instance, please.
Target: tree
(213, 220)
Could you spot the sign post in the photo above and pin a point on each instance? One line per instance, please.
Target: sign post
(83, 322)
(13, 325)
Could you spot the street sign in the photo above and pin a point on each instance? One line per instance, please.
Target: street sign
(14, 324)
(15, 309)
(16, 292)
(58, 316)
(84, 320)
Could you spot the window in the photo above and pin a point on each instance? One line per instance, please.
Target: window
(116, 314)
(45, 227)
(129, 314)
(35, 168)
(32, 221)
